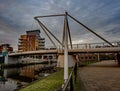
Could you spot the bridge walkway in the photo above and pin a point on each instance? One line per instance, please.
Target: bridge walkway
(100, 76)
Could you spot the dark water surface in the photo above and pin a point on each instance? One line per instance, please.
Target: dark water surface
(15, 78)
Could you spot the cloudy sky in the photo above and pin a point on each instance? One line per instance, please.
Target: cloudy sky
(103, 16)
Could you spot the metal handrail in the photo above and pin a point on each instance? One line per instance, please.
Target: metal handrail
(70, 79)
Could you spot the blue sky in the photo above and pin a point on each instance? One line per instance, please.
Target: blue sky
(103, 16)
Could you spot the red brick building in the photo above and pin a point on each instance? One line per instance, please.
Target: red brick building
(5, 47)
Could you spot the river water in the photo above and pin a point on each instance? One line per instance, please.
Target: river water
(14, 78)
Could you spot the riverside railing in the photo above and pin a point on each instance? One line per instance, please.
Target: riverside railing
(71, 82)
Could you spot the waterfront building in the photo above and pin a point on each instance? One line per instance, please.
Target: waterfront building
(27, 43)
(5, 48)
(88, 57)
(39, 42)
(31, 41)
(0, 49)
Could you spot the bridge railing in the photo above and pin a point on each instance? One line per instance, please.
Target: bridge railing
(94, 45)
(87, 45)
(71, 82)
(82, 46)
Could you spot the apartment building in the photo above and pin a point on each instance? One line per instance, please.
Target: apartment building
(31, 41)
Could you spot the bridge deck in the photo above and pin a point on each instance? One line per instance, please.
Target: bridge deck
(101, 76)
(72, 51)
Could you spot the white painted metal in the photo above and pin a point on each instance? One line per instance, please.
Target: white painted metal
(98, 56)
(72, 51)
(66, 53)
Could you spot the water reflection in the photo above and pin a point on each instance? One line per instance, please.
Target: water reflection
(15, 78)
(7, 84)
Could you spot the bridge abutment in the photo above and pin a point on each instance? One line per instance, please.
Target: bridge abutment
(118, 58)
(10, 60)
(71, 61)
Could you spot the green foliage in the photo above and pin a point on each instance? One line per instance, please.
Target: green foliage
(50, 83)
(77, 85)
(85, 63)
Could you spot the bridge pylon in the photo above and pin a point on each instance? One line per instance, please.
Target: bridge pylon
(65, 60)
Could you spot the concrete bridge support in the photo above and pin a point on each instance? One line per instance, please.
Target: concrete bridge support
(118, 58)
(71, 61)
(10, 60)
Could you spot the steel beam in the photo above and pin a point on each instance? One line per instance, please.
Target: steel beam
(66, 53)
(90, 30)
(63, 37)
(49, 16)
(48, 30)
(68, 28)
(47, 34)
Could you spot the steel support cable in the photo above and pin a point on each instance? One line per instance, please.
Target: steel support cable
(49, 37)
(50, 16)
(63, 33)
(32, 25)
(68, 28)
(48, 31)
(90, 30)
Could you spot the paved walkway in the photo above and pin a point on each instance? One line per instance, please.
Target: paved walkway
(100, 76)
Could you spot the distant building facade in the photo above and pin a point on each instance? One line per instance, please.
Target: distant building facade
(31, 41)
(5, 48)
(88, 57)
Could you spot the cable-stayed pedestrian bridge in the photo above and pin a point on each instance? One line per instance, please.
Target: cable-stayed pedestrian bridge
(66, 45)
(70, 51)
(67, 50)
